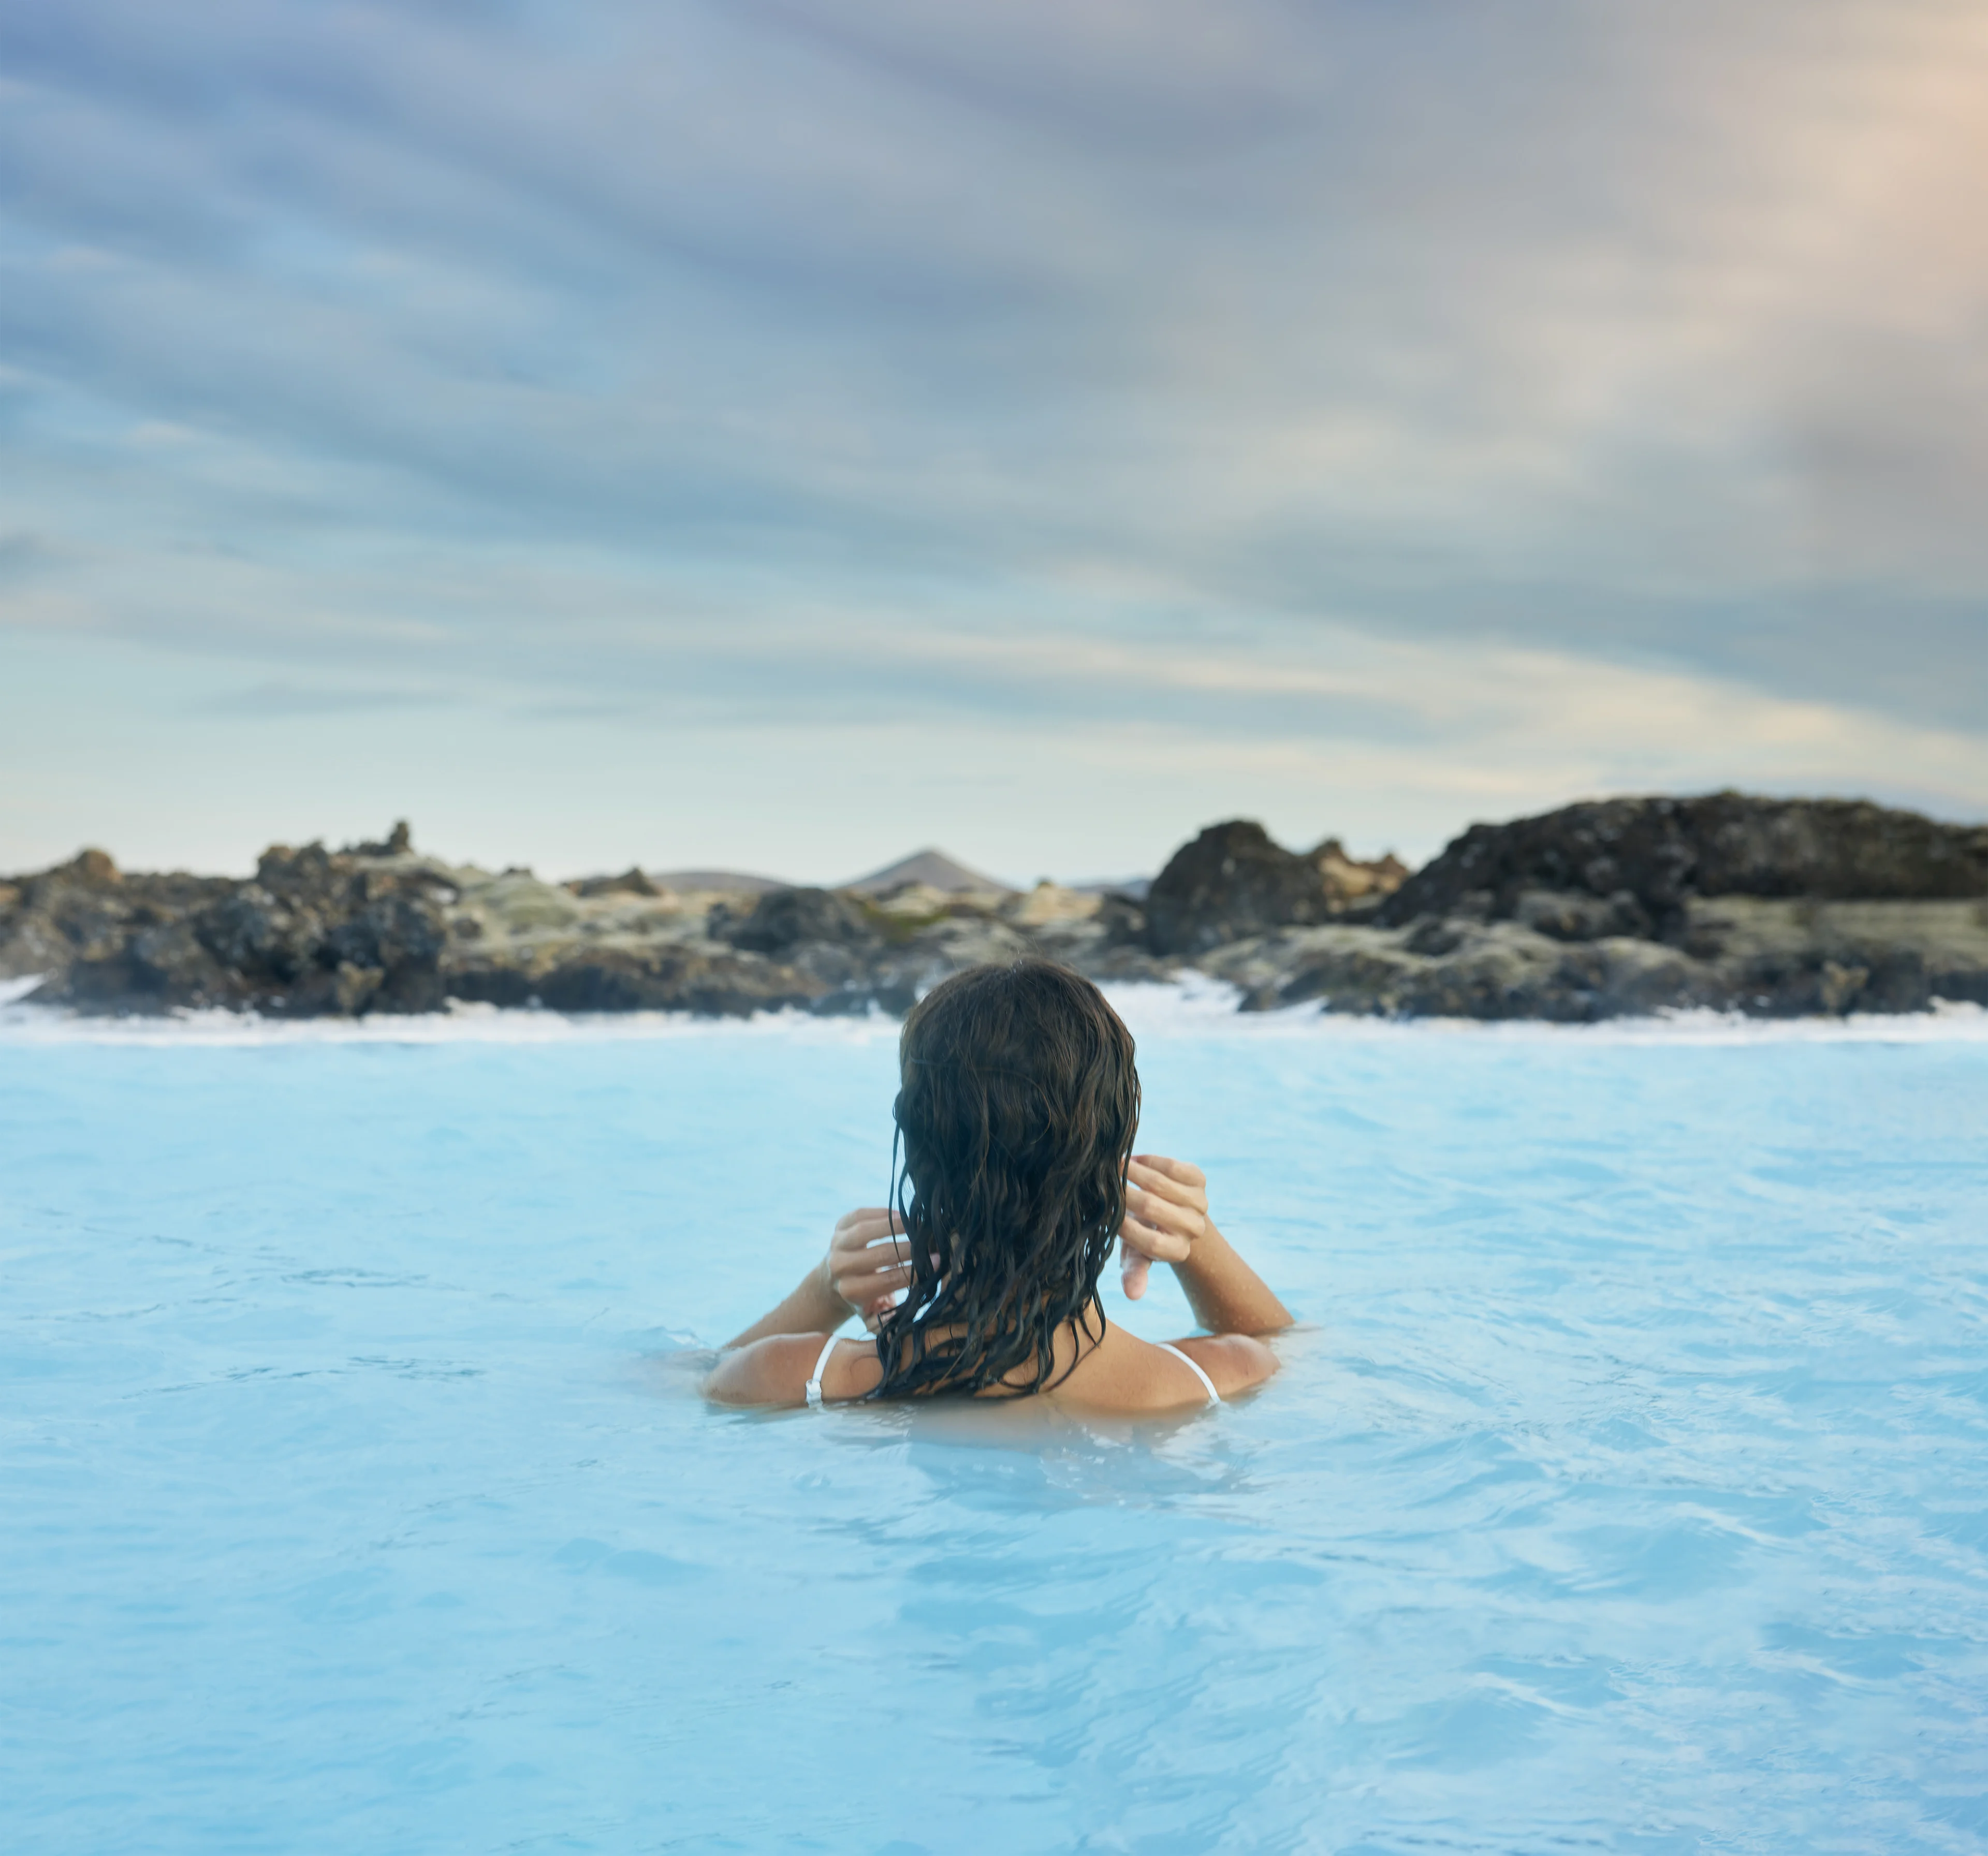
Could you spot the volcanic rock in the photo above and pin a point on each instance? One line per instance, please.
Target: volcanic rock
(784, 918)
(1768, 907)
(1234, 880)
(1350, 882)
(314, 931)
(631, 882)
(715, 983)
(1631, 865)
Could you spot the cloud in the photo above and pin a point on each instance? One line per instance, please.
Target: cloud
(277, 701)
(714, 363)
(24, 552)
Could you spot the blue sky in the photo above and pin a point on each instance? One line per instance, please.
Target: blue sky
(786, 434)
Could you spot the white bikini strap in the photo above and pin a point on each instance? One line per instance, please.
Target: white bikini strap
(821, 1366)
(1193, 1366)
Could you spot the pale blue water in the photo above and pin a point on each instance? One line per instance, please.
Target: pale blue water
(1630, 1494)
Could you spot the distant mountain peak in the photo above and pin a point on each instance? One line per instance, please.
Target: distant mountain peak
(931, 867)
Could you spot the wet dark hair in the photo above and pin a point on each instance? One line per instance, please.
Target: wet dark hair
(1017, 1109)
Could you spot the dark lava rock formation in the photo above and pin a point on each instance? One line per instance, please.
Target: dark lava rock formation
(379, 928)
(1772, 907)
(311, 933)
(1766, 907)
(1633, 866)
(1233, 881)
(784, 919)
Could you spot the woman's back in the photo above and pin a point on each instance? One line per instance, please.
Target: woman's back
(1018, 1103)
(1120, 1374)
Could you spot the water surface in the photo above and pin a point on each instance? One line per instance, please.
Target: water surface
(1629, 1491)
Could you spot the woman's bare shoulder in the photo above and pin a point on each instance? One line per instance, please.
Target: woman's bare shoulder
(776, 1371)
(1125, 1374)
(1235, 1362)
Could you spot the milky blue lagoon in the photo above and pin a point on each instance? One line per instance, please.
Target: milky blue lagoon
(1630, 1492)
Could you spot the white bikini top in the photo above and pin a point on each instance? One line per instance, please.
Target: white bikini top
(828, 1347)
(821, 1366)
(1193, 1366)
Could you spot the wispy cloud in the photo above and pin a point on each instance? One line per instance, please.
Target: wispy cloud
(722, 363)
(23, 552)
(278, 702)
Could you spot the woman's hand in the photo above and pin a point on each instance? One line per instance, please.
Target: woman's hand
(1166, 1213)
(865, 1265)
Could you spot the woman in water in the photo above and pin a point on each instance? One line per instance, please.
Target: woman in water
(1018, 1108)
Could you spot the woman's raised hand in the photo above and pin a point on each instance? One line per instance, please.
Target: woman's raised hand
(1166, 1210)
(865, 1265)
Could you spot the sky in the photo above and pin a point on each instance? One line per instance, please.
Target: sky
(781, 435)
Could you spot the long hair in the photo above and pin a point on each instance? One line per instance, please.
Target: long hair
(1016, 1112)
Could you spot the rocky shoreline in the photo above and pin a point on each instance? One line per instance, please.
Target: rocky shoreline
(1769, 907)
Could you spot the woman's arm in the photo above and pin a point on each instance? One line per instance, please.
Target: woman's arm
(864, 1267)
(1228, 1297)
(776, 1371)
(813, 1308)
(769, 1363)
(1166, 1218)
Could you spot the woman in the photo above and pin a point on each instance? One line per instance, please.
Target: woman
(1017, 1111)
